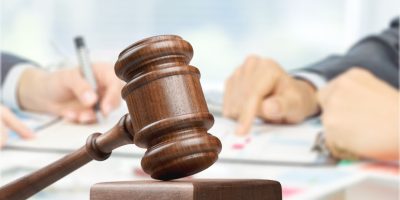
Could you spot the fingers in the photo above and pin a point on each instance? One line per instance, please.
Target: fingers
(280, 109)
(284, 107)
(240, 86)
(15, 124)
(111, 98)
(273, 109)
(78, 104)
(246, 87)
(80, 108)
(81, 88)
(230, 96)
(247, 116)
(81, 115)
(110, 87)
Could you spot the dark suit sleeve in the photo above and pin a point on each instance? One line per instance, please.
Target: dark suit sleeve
(8, 61)
(378, 53)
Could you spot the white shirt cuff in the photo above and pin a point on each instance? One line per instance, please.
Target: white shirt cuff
(10, 85)
(317, 80)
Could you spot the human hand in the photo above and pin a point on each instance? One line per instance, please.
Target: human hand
(66, 92)
(360, 116)
(260, 87)
(8, 121)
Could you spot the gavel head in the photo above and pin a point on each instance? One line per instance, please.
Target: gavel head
(167, 107)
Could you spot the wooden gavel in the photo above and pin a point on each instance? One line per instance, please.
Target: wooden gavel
(168, 115)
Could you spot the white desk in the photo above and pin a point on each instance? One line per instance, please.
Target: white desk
(351, 181)
(355, 181)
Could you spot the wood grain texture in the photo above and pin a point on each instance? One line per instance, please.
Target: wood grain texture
(162, 84)
(168, 115)
(198, 189)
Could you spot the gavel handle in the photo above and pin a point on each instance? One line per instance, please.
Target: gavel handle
(29, 185)
(97, 147)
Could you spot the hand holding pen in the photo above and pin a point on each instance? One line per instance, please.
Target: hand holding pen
(86, 68)
(95, 80)
(69, 94)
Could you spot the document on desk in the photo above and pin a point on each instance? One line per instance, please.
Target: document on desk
(266, 143)
(65, 136)
(34, 121)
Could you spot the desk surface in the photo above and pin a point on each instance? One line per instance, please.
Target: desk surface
(266, 144)
(298, 182)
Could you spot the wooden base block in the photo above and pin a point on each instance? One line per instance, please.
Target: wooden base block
(196, 189)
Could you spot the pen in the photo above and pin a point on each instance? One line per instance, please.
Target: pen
(320, 146)
(86, 68)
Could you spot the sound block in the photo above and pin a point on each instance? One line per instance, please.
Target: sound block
(196, 189)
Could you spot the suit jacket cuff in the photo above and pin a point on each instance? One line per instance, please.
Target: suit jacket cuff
(10, 86)
(317, 80)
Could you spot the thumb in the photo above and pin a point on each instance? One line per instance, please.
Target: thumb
(82, 90)
(274, 108)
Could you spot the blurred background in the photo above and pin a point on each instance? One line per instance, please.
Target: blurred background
(221, 32)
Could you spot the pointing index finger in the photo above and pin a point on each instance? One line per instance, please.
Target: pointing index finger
(247, 116)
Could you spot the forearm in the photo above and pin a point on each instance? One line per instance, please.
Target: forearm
(370, 54)
(377, 54)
